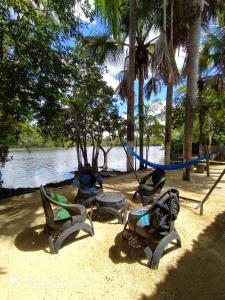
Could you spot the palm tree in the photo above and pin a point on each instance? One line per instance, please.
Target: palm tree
(131, 78)
(194, 12)
(103, 47)
(110, 10)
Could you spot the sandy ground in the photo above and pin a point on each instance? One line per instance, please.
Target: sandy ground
(104, 266)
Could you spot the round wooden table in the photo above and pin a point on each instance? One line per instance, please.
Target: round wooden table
(113, 203)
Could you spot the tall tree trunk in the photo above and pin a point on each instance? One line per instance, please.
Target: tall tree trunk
(192, 78)
(95, 155)
(170, 84)
(131, 78)
(141, 113)
(84, 154)
(1, 44)
(78, 153)
(168, 123)
(201, 118)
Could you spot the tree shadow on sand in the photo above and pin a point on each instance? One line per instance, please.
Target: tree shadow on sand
(17, 214)
(199, 273)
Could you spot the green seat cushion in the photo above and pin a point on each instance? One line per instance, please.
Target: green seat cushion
(59, 198)
(146, 187)
(63, 213)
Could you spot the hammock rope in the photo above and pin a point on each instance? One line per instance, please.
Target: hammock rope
(173, 167)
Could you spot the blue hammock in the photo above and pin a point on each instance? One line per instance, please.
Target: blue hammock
(173, 167)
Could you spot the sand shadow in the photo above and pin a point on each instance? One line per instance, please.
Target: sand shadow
(125, 251)
(2, 271)
(200, 273)
(18, 214)
(122, 252)
(34, 239)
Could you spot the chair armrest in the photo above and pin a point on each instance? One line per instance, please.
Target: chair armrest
(77, 209)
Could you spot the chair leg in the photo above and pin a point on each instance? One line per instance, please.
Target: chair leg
(125, 212)
(79, 226)
(173, 235)
(50, 240)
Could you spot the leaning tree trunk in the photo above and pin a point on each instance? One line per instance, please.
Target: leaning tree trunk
(131, 78)
(192, 78)
(168, 123)
(141, 113)
(105, 156)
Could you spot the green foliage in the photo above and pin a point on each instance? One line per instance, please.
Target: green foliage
(34, 70)
(89, 112)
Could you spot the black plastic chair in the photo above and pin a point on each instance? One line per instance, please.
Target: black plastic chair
(146, 190)
(152, 227)
(89, 184)
(63, 221)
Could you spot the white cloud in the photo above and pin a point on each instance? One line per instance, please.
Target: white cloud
(180, 58)
(110, 75)
(79, 12)
(111, 81)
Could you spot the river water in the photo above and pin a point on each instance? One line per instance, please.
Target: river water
(43, 166)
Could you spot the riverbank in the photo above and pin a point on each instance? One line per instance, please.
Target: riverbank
(104, 266)
(10, 192)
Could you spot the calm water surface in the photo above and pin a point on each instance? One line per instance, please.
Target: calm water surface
(42, 166)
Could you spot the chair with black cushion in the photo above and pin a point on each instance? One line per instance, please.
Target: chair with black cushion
(64, 220)
(89, 184)
(147, 190)
(152, 227)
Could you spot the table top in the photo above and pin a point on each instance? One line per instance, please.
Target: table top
(110, 197)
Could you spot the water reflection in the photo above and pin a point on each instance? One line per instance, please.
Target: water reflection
(42, 166)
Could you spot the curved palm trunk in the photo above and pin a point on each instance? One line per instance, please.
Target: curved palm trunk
(131, 77)
(168, 123)
(141, 113)
(192, 76)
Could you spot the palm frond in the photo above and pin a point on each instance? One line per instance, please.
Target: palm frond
(216, 82)
(122, 89)
(180, 91)
(152, 86)
(103, 48)
(110, 11)
(163, 62)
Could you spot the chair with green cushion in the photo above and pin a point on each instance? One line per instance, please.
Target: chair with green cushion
(146, 190)
(64, 220)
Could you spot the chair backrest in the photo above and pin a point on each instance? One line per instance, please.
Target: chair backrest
(160, 216)
(158, 176)
(46, 204)
(165, 209)
(87, 177)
